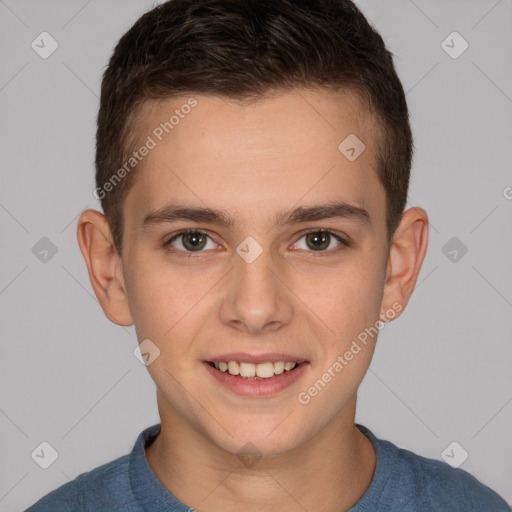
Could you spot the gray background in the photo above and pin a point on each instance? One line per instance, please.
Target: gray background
(441, 372)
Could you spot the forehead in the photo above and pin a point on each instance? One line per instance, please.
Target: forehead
(281, 150)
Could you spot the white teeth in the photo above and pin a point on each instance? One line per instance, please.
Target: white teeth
(278, 367)
(249, 370)
(265, 370)
(233, 368)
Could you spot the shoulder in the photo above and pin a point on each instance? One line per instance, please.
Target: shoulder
(406, 481)
(101, 487)
(436, 484)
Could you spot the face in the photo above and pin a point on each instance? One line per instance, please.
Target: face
(266, 274)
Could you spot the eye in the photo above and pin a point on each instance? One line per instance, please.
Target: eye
(319, 240)
(190, 241)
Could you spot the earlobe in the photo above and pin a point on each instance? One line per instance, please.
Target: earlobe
(104, 266)
(405, 258)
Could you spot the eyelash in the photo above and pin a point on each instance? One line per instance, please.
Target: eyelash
(190, 254)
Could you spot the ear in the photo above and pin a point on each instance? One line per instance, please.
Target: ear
(104, 266)
(406, 254)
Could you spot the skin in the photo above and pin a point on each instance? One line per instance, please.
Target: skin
(254, 160)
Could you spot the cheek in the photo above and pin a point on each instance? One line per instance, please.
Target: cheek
(169, 304)
(155, 299)
(346, 298)
(346, 318)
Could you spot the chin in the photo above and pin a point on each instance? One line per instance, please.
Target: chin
(266, 439)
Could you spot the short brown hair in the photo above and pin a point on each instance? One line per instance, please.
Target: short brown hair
(243, 49)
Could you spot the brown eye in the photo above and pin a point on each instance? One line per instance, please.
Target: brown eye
(194, 241)
(189, 241)
(321, 240)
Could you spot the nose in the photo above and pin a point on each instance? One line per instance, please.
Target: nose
(257, 298)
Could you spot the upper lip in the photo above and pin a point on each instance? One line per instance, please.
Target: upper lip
(257, 358)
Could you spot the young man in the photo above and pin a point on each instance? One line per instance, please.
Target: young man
(253, 161)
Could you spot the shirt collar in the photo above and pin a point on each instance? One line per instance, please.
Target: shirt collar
(148, 490)
(152, 495)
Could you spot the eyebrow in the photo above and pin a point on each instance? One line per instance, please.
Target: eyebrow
(174, 212)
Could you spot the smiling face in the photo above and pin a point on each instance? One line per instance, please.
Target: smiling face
(250, 283)
(255, 238)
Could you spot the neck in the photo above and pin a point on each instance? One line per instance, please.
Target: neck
(333, 468)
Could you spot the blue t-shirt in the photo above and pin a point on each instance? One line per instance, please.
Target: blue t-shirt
(403, 481)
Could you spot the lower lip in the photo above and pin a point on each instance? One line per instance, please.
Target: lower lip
(257, 387)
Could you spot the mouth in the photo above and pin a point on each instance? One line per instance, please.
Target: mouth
(256, 376)
(256, 371)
